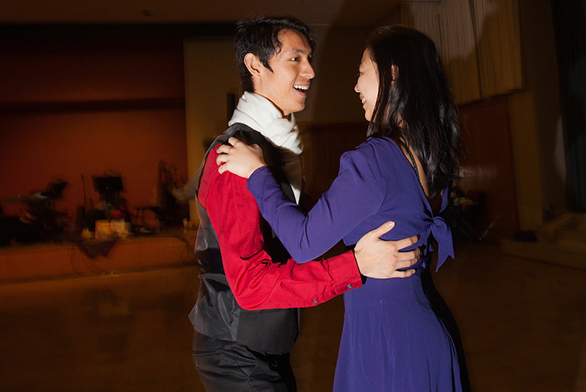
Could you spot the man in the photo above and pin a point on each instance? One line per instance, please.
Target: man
(246, 316)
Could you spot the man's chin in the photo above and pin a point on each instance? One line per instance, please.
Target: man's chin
(300, 108)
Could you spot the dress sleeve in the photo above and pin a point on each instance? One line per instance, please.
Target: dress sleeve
(354, 196)
(257, 282)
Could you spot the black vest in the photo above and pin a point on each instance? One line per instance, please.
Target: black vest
(216, 313)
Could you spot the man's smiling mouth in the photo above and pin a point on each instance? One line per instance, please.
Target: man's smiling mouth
(302, 89)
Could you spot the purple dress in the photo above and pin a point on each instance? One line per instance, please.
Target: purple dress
(392, 340)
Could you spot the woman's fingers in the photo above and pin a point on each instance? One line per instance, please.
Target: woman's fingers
(224, 149)
(239, 158)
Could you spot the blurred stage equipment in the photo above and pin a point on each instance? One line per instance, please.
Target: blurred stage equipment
(110, 187)
(38, 219)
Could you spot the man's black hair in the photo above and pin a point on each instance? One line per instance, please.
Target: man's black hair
(260, 36)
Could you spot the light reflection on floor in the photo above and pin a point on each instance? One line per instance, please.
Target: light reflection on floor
(523, 325)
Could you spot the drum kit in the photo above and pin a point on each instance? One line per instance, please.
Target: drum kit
(38, 219)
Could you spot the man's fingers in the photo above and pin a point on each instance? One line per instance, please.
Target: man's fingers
(402, 274)
(382, 229)
(408, 258)
(233, 141)
(409, 255)
(407, 242)
(403, 264)
(407, 273)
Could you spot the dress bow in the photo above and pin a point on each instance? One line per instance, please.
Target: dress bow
(443, 235)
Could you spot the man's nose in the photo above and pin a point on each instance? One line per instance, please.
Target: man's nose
(308, 71)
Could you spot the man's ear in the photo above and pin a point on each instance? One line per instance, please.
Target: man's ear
(253, 64)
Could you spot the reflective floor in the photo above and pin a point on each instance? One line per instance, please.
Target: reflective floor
(523, 326)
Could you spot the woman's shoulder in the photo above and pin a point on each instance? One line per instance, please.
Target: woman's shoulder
(376, 156)
(383, 143)
(373, 149)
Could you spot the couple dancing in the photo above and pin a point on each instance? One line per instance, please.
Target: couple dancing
(253, 278)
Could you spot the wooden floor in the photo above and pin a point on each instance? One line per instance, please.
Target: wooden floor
(523, 326)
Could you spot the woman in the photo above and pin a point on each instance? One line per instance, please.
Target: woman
(392, 340)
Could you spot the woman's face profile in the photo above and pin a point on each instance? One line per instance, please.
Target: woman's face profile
(367, 84)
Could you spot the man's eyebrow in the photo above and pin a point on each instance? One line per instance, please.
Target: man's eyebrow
(298, 50)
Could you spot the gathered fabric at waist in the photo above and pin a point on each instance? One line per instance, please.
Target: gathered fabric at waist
(400, 291)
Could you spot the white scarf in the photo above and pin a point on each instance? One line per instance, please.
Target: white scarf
(261, 115)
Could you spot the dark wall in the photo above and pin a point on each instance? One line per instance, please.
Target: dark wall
(83, 105)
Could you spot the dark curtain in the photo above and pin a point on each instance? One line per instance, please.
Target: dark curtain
(569, 18)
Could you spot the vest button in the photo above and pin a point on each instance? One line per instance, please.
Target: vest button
(315, 301)
(349, 286)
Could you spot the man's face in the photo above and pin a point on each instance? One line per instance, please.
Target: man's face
(287, 84)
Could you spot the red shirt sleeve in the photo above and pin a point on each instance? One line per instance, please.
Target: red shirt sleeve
(257, 282)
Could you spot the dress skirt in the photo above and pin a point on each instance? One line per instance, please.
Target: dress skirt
(393, 341)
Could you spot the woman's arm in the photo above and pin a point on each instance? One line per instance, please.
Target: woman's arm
(353, 197)
(243, 160)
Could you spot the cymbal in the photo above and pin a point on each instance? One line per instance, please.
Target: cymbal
(25, 199)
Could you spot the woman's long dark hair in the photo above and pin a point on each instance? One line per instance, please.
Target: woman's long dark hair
(415, 106)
